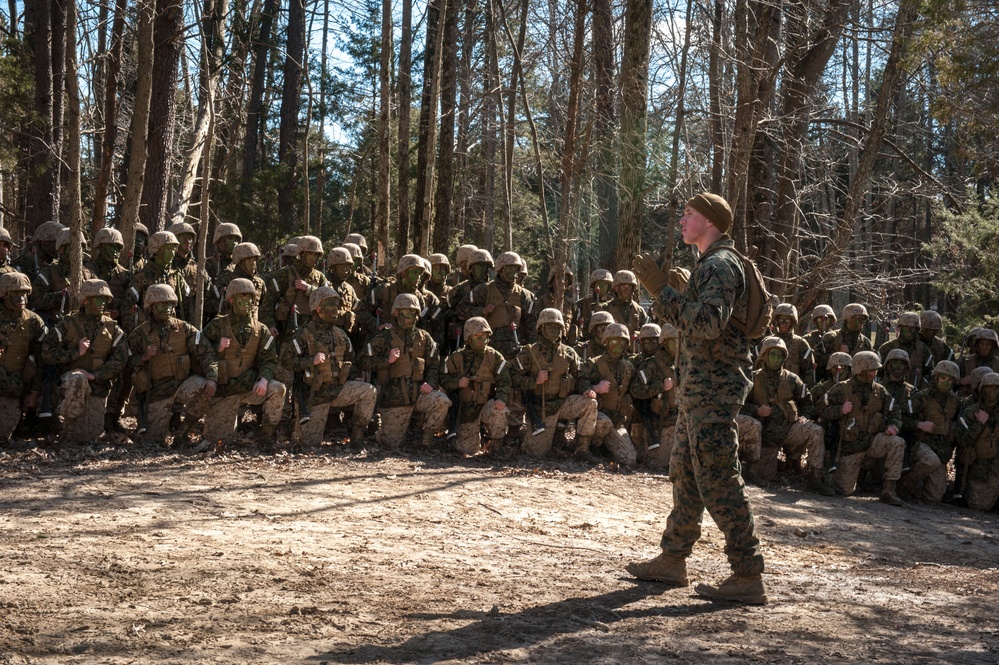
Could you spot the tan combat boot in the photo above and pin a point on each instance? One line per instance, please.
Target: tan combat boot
(889, 496)
(666, 568)
(747, 589)
(583, 453)
(428, 438)
(357, 437)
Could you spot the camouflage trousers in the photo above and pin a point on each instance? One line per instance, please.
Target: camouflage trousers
(222, 418)
(706, 474)
(890, 448)
(395, 420)
(82, 413)
(573, 407)
(804, 438)
(357, 394)
(750, 438)
(982, 495)
(617, 441)
(10, 416)
(188, 398)
(923, 463)
(469, 441)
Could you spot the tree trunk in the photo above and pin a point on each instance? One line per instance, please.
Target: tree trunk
(444, 196)
(715, 94)
(112, 68)
(634, 96)
(569, 167)
(427, 141)
(168, 38)
(673, 208)
(254, 108)
(605, 168)
(405, 77)
(384, 113)
(212, 52)
(140, 122)
(490, 138)
(290, 105)
(73, 191)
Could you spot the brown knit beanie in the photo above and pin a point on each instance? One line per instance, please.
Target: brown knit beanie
(715, 208)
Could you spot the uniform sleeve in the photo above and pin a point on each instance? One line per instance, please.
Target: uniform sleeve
(266, 355)
(892, 412)
(968, 429)
(374, 355)
(648, 381)
(53, 350)
(117, 360)
(503, 382)
(803, 398)
(473, 304)
(269, 300)
(718, 285)
(42, 297)
(203, 352)
(832, 403)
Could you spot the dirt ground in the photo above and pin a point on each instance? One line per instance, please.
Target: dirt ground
(125, 554)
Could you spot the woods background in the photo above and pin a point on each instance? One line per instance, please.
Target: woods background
(856, 141)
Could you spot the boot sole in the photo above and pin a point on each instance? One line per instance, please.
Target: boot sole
(712, 593)
(670, 581)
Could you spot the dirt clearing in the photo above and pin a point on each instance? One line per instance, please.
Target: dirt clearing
(143, 556)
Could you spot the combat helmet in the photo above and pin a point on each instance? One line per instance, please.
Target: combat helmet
(317, 297)
(239, 285)
(225, 230)
(475, 325)
(550, 315)
(865, 360)
(244, 250)
(91, 288)
(157, 293)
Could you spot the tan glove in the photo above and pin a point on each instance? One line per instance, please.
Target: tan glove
(678, 278)
(649, 273)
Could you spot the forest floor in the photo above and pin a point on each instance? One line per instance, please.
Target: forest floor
(130, 554)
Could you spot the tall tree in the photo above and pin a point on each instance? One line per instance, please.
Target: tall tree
(605, 166)
(427, 139)
(290, 105)
(112, 68)
(384, 112)
(444, 195)
(405, 78)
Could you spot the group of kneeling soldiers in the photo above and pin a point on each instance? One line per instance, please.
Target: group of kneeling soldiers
(470, 356)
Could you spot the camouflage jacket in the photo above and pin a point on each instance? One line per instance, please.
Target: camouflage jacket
(978, 443)
(786, 394)
(585, 309)
(650, 372)
(216, 265)
(513, 305)
(800, 358)
(820, 354)
(105, 359)
(563, 366)
(281, 295)
(379, 306)
(21, 338)
(183, 351)
(49, 292)
(348, 301)
(250, 356)
(323, 381)
(942, 409)
(920, 360)
(418, 363)
(715, 365)
(217, 300)
(874, 411)
(132, 313)
(26, 264)
(629, 312)
(118, 279)
(834, 340)
(616, 404)
(489, 378)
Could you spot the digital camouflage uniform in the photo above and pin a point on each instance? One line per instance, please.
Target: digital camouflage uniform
(167, 382)
(513, 305)
(650, 373)
(348, 297)
(558, 397)
(382, 296)
(788, 426)
(329, 384)
(399, 383)
(132, 313)
(50, 297)
(927, 477)
(281, 295)
(715, 378)
(113, 273)
(81, 401)
(862, 435)
(489, 381)
(249, 357)
(628, 312)
(978, 451)
(614, 406)
(21, 335)
(920, 357)
(588, 305)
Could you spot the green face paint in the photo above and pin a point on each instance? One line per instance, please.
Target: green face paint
(109, 252)
(406, 318)
(945, 384)
(480, 271)
(616, 346)
(551, 331)
(774, 359)
(477, 342)
(164, 257)
(242, 304)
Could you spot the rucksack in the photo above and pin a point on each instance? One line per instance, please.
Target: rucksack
(760, 303)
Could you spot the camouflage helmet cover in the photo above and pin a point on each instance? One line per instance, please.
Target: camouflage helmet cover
(339, 256)
(669, 332)
(616, 331)
(475, 325)
(930, 320)
(989, 379)
(897, 354)
(989, 334)
(5, 236)
(978, 374)
(225, 230)
(240, 285)
(480, 256)
(507, 259)
(357, 239)
(95, 287)
(772, 342)
(48, 232)
(786, 309)
(291, 249)
(310, 244)
(909, 319)
(160, 239)
(159, 293)
(317, 297)
(550, 315)
(108, 236)
(244, 250)
(865, 360)
(601, 275)
(181, 228)
(624, 277)
(947, 368)
(355, 250)
(439, 260)
(650, 331)
(141, 228)
(823, 311)
(839, 359)
(65, 237)
(410, 261)
(465, 254)
(406, 301)
(600, 318)
(854, 309)
(13, 282)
